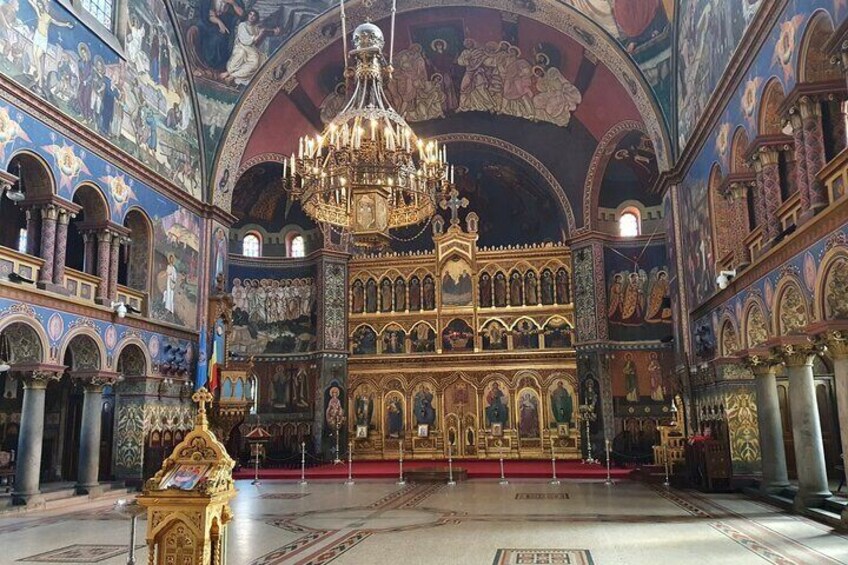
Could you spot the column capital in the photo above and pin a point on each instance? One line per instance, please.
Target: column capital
(38, 375)
(797, 355)
(96, 379)
(836, 342)
(50, 212)
(768, 155)
(809, 106)
(65, 216)
(761, 365)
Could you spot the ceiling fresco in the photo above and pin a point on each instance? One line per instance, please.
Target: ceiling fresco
(227, 42)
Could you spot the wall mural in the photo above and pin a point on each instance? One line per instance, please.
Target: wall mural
(274, 310)
(642, 381)
(638, 294)
(175, 230)
(778, 56)
(176, 260)
(141, 103)
(227, 42)
(708, 34)
(286, 389)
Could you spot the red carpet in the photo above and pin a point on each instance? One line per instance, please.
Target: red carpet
(476, 470)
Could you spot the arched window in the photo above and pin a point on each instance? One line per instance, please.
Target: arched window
(298, 246)
(629, 224)
(102, 10)
(251, 245)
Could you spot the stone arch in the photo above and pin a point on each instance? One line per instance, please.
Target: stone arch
(38, 179)
(831, 295)
(95, 205)
(769, 121)
(137, 257)
(738, 149)
(814, 63)
(86, 348)
(756, 326)
(133, 359)
(279, 71)
(728, 338)
(791, 311)
(598, 166)
(26, 340)
(722, 211)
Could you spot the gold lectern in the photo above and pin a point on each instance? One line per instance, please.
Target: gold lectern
(188, 500)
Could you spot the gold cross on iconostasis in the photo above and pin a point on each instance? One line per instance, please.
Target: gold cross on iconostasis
(454, 203)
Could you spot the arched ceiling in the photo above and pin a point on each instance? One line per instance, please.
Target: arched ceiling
(629, 39)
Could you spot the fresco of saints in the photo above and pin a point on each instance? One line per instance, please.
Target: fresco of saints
(364, 410)
(616, 292)
(659, 305)
(562, 405)
(170, 284)
(246, 57)
(394, 418)
(633, 299)
(528, 415)
(497, 411)
(424, 411)
(631, 381)
(334, 413)
(655, 372)
(40, 44)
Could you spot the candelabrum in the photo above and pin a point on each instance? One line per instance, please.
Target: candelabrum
(587, 414)
(608, 480)
(338, 421)
(503, 480)
(451, 482)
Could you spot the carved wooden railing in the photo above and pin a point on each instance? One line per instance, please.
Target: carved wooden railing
(81, 286)
(135, 298)
(834, 176)
(12, 261)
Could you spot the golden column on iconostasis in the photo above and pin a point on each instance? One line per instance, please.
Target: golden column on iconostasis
(188, 500)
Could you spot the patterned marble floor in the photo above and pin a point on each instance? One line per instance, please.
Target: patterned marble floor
(478, 522)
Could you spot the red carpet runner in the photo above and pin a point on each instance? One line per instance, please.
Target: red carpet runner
(476, 470)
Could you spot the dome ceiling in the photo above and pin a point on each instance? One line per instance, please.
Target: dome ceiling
(229, 45)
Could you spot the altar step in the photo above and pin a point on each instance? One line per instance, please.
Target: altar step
(436, 475)
(58, 496)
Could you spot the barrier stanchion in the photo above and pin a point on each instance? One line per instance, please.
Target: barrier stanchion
(349, 480)
(503, 480)
(554, 479)
(400, 480)
(608, 482)
(302, 481)
(667, 482)
(255, 480)
(451, 482)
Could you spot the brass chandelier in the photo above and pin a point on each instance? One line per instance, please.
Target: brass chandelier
(368, 172)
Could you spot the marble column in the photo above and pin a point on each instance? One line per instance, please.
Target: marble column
(90, 248)
(31, 435)
(813, 488)
(775, 477)
(801, 176)
(113, 266)
(61, 248)
(759, 197)
(32, 217)
(837, 348)
(89, 454)
(739, 203)
(104, 240)
(771, 193)
(49, 215)
(811, 116)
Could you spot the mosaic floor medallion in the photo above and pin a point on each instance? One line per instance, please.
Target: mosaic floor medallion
(542, 496)
(543, 557)
(78, 553)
